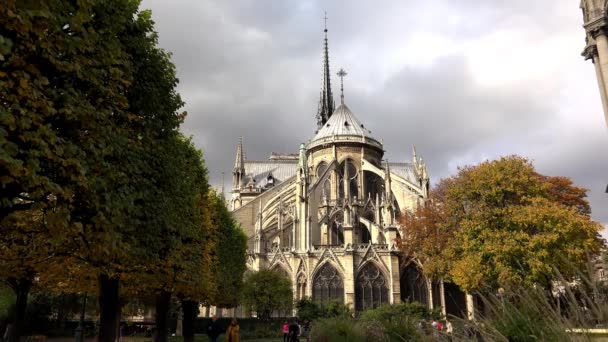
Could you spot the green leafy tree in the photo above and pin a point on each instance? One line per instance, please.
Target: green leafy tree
(231, 257)
(267, 291)
(182, 182)
(86, 99)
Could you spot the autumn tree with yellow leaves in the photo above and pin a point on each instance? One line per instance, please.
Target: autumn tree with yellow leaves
(501, 223)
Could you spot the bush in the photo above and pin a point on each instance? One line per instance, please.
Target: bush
(338, 329)
(308, 309)
(413, 310)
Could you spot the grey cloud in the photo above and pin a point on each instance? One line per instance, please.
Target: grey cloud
(252, 68)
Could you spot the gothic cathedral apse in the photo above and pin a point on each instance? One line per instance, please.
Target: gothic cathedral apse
(327, 216)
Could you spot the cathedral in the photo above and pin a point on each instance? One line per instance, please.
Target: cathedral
(326, 217)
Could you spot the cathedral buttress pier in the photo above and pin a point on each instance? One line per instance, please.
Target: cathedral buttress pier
(595, 17)
(326, 216)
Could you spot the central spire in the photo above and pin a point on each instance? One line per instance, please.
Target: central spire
(326, 100)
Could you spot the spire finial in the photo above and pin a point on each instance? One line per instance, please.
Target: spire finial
(341, 74)
(326, 100)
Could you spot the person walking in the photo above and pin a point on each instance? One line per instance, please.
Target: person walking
(448, 327)
(294, 331)
(285, 332)
(233, 333)
(306, 331)
(214, 330)
(8, 332)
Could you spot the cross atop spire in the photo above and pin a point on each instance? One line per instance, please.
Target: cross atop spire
(341, 74)
(326, 99)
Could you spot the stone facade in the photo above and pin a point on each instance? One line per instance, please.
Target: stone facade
(327, 216)
(595, 22)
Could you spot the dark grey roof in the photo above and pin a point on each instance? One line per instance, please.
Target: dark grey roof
(405, 170)
(343, 122)
(343, 125)
(260, 170)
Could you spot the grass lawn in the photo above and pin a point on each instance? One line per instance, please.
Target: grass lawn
(171, 339)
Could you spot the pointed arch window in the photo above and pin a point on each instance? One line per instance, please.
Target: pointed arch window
(413, 285)
(371, 289)
(328, 285)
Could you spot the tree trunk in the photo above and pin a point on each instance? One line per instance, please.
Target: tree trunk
(22, 290)
(163, 300)
(190, 309)
(109, 308)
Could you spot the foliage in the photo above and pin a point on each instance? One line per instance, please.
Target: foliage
(308, 309)
(230, 253)
(425, 235)
(388, 312)
(397, 322)
(96, 180)
(535, 314)
(338, 329)
(334, 308)
(501, 223)
(7, 298)
(267, 291)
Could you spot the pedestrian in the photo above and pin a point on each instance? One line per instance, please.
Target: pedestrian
(233, 332)
(435, 328)
(448, 327)
(214, 330)
(294, 331)
(285, 332)
(8, 331)
(306, 330)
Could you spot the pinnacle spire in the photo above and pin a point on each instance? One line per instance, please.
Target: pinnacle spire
(239, 166)
(326, 99)
(239, 161)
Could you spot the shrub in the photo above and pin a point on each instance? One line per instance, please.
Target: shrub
(407, 309)
(310, 310)
(338, 329)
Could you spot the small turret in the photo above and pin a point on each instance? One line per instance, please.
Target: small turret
(238, 173)
(303, 162)
(387, 182)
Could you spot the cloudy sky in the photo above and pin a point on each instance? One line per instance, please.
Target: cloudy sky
(463, 80)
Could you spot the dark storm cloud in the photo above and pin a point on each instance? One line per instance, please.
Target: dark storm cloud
(253, 69)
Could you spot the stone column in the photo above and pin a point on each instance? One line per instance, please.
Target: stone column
(601, 69)
(442, 298)
(601, 85)
(395, 283)
(429, 287)
(470, 306)
(349, 280)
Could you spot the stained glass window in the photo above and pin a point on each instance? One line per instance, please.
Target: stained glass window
(371, 288)
(328, 284)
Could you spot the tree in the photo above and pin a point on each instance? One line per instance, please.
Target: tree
(231, 257)
(425, 235)
(87, 97)
(502, 223)
(267, 291)
(182, 184)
